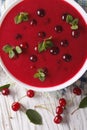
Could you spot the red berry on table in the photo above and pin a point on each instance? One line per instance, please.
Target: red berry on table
(77, 91)
(30, 93)
(62, 102)
(16, 106)
(58, 119)
(5, 91)
(59, 110)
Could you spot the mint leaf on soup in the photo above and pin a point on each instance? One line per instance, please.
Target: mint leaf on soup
(21, 17)
(18, 49)
(69, 18)
(34, 116)
(11, 54)
(40, 75)
(7, 48)
(47, 43)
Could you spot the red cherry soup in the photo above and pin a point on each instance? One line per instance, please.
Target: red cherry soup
(45, 20)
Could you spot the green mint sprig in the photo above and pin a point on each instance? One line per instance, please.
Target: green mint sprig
(21, 17)
(40, 75)
(4, 86)
(72, 21)
(47, 43)
(10, 50)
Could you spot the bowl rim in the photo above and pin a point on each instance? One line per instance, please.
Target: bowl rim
(62, 85)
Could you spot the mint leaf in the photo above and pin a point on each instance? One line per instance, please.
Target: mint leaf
(75, 21)
(7, 48)
(21, 17)
(47, 43)
(4, 86)
(69, 18)
(74, 27)
(34, 116)
(83, 103)
(18, 50)
(40, 75)
(11, 54)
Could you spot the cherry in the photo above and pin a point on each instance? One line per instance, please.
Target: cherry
(45, 71)
(64, 17)
(18, 36)
(5, 91)
(41, 12)
(64, 43)
(59, 110)
(30, 93)
(62, 102)
(54, 50)
(33, 58)
(58, 119)
(24, 45)
(58, 28)
(33, 22)
(41, 34)
(75, 33)
(77, 91)
(16, 106)
(67, 57)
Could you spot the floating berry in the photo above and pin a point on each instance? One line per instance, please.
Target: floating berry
(59, 110)
(41, 12)
(41, 34)
(5, 91)
(30, 93)
(33, 22)
(62, 102)
(54, 50)
(24, 45)
(58, 28)
(18, 36)
(77, 91)
(16, 106)
(67, 57)
(58, 119)
(64, 17)
(33, 58)
(64, 43)
(75, 33)
(45, 71)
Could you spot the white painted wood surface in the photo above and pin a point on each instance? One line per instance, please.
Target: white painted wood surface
(10, 120)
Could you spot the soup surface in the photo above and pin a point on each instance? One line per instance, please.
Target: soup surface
(52, 51)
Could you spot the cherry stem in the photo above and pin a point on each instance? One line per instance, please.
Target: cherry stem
(21, 98)
(75, 111)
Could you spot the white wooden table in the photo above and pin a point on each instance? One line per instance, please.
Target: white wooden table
(10, 120)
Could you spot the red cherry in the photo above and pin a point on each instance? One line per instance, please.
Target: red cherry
(24, 45)
(58, 119)
(59, 110)
(30, 93)
(5, 91)
(62, 102)
(77, 91)
(16, 106)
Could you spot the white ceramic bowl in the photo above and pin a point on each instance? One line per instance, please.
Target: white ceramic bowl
(65, 84)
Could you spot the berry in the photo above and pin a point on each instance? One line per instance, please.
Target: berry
(41, 12)
(33, 58)
(45, 71)
(41, 34)
(24, 45)
(18, 36)
(30, 93)
(16, 106)
(62, 102)
(5, 91)
(67, 57)
(77, 91)
(64, 43)
(58, 119)
(75, 33)
(54, 50)
(58, 28)
(64, 17)
(59, 110)
(33, 22)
